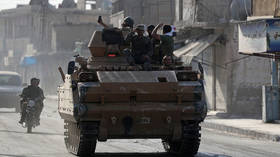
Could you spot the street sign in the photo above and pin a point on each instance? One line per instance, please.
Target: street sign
(28, 61)
(259, 36)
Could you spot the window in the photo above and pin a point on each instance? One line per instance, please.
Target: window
(10, 80)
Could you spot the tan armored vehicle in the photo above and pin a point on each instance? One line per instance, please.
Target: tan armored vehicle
(105, 98)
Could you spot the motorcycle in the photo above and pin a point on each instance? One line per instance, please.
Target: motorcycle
(30, 118)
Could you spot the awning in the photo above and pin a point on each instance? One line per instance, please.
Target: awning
(194, 48)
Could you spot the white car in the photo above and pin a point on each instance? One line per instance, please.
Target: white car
(10, 89)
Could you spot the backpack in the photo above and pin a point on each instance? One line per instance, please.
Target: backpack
(112, 36)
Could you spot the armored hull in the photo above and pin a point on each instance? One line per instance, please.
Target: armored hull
(117, 101)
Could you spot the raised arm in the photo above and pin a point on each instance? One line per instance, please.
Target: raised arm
(154, 33)
(100, 21)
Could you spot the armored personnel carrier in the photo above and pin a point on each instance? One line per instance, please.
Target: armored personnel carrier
(105, 98)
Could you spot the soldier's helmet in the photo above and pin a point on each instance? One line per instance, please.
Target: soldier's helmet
(128, 22)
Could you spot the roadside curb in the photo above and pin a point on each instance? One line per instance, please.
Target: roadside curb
(239, 131)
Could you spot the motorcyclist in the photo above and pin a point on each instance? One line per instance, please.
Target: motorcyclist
(35, 93)
(116, 45)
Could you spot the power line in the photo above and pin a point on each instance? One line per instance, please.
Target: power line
(237, 60)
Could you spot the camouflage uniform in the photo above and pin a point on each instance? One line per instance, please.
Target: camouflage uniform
(141, 49)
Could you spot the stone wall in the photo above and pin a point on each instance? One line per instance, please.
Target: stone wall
(117, 19)
(47, 33)
(36, 24)
(202, 13)
(65, 36)
(147, 11)
(233, 82)
(245, 80)
(46, 70)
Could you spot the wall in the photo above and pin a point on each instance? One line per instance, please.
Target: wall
(117, 19)
(221, 79)
(233, 82)
(81, 4)
(67, 35)
(146, 11)
(100, 4)
(212, 11)
(46, 70)
(206, 58)
(34, 24)
(215, 76)
(19, 45)
(202, 13)
(246, 80)
(31, 26)
(266, 8)
(238, 79)
(186, 12)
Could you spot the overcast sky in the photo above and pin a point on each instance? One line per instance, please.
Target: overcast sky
(7, 4)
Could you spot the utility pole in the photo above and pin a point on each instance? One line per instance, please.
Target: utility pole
(271, 94)
(275, 84)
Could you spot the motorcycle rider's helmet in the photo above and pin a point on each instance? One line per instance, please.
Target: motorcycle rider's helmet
(34, 79)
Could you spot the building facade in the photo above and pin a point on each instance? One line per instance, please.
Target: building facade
(35, 25)
(47, 33)
(94, 4)
(143, 11)
(233, 82)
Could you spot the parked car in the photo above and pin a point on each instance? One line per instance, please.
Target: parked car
(10, 89)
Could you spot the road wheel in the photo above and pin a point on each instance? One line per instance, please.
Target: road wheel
(189, 144)
(81, 139)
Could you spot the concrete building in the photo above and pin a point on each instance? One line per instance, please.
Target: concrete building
(233, 82)
(95, 4)
(41, 30)
(143, 11)
(68, 4)
(34, 25)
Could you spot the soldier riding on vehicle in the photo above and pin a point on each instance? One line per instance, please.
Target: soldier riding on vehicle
(107, 98)
(114, 37)
(166, 41)
(141, 47)
(127, 23)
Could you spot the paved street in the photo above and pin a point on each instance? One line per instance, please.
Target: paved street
(47, 141)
